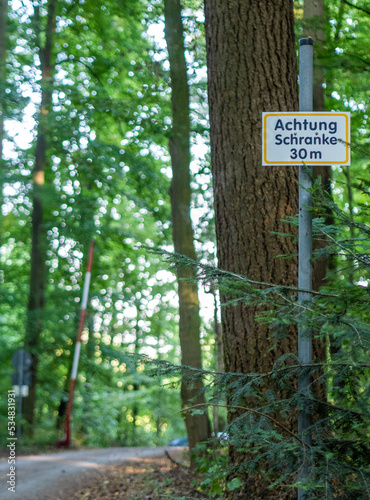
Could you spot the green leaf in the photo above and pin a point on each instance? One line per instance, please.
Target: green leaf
(234, 484)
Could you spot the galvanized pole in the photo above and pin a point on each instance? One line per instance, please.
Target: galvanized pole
(20, 385)
(305, 254)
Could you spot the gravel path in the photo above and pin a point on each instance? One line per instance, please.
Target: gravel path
(52, 476)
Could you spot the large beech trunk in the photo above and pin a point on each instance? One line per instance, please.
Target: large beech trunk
(198, 428)
(251, 68)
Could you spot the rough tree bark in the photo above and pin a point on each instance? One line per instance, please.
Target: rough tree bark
(36, 301)
(251, 68)
(197, 426)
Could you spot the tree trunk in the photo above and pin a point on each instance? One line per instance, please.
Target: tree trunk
(3, 37)
(314, 22)
(3, 44)
(135, 384)
(251, 68)
(36, 301)
(197, 426)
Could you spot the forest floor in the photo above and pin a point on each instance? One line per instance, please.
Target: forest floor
(136, 473)
(145, 479)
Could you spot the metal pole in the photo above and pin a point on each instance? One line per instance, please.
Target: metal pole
(76, 357)
(305, 253)
(20, 385)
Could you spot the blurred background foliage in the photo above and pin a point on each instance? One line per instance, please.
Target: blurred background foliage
(107, 178)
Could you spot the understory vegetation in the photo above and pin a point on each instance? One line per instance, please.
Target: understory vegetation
(267, 404)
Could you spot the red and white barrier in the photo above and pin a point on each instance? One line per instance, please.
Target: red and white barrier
(76, 358)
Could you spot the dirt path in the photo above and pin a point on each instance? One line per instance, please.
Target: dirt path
(52, 476)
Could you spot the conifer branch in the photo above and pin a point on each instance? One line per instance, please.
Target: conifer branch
(250, 410)
(367, 486)
(336, 407)
(216, 274)
(344, 248)
(352, 146)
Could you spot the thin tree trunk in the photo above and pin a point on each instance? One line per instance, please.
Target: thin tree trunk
(198, 428)
(340, 19)
(314, 22)
(135, 384)
(36, 301)
(160, 391)
(3, 39)
(251, 68)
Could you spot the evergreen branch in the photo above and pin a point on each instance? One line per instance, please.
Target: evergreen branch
(250, 410)
(332, 206)
(270, 285)
(343, 247)
(352, 146)
(330, 366)
(324, 316)
(338, 408)
(364, 480)
(353, 328)
(300, 305)
(254, 376)
(220, 273)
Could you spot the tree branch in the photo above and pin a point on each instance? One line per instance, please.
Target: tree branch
(356, 7)
(182, 466)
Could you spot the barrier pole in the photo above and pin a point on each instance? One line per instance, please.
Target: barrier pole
(76, 357)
